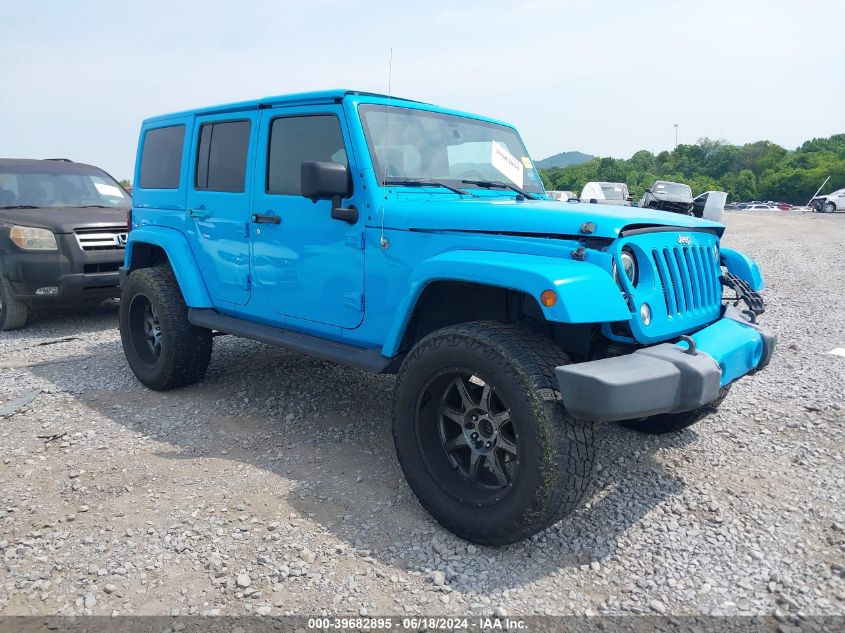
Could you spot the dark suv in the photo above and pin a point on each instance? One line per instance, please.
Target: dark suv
(62, 235)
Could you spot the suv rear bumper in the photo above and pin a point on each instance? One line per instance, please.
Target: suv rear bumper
(666, 378)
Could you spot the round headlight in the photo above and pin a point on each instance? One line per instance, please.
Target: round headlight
(629, 265)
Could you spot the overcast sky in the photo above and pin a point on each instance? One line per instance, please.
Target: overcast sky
(606, 78)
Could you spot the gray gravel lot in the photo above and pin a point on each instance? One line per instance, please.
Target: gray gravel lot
(272, 487)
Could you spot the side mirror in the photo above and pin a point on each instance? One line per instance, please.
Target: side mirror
(323, 180)
(648, 190)
(629, 198)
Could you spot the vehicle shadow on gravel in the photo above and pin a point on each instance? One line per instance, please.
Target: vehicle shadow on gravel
(67, 321)
(321, 434)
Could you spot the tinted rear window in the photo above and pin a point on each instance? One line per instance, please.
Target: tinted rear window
(161, 158)
(221, 156)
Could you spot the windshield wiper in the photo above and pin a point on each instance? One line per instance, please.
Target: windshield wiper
(499, 184)
(21, 206)
(425, 182)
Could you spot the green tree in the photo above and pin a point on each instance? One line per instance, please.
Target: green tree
(755, 171)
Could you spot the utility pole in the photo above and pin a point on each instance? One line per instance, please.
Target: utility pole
(676, 135)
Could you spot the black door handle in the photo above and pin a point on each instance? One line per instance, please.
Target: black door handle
(258, 218)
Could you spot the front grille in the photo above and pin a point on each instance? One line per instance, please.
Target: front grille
(107, 239)
(690, 279)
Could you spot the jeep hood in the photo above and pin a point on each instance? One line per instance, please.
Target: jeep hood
(65, 219)
(530, 217)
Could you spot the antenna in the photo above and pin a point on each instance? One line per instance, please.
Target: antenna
(383, 241)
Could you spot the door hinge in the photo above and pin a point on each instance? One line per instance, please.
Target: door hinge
(355, 240)
(354, 300)
(246, 229)
(247, 282)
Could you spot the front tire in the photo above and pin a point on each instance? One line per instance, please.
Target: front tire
(482, 436)
(673, 422)
(830, 207)
(163, 348)
(14, 313)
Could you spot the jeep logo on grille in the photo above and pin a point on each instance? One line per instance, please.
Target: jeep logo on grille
(683, 239)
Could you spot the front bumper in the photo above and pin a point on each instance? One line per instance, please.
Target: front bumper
(77, 274)
(666, 378)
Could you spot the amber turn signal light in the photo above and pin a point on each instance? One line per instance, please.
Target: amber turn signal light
(548, 298)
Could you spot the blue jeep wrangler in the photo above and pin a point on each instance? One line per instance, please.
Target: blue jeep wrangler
(396, 236)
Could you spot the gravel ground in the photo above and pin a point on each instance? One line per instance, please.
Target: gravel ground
(272, 487)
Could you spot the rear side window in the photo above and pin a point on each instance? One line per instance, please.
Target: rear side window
(295, 140)
(161, 158)
(221, 156)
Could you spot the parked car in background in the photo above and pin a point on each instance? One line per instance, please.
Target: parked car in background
(761, 206)
(668, 196)
(606, 193)
(62, 235)
(563, 196)
(832, 202)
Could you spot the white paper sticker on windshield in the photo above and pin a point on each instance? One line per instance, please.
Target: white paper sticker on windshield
(527, 162)
(108, 190)
(507, 164)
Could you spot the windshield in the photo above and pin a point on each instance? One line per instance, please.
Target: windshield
(412, 144)
(673, 189)
(612, 192)
(50, 187)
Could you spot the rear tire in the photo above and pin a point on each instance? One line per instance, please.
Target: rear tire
(163, 348)
(14, 313)
(497, 459)
(672, 422)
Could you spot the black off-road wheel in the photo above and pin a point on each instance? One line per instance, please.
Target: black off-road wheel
(163, 348)
(482, 436)
(14, 313)
(672, 422)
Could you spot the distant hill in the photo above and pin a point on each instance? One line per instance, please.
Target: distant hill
(564, 159)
